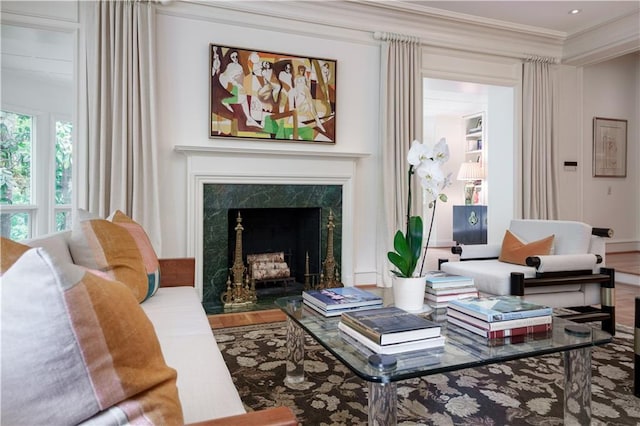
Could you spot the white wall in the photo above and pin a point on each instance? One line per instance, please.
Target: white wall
(610, 90)
(183, 76)
(501, 164)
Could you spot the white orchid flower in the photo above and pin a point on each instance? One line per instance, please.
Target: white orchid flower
(441, 151)
(418, 153)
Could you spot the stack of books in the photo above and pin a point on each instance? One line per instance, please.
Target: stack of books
(391, 330)
(500, 316)
(443, 287)
(334, 301)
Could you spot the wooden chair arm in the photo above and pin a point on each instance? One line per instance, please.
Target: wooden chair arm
(177, 272)
(278, 416)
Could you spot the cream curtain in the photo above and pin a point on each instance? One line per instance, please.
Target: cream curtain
(401, 106)
(539, 179)
(118, 103)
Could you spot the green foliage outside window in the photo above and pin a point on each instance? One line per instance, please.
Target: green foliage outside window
(64, 147)
(15, 172)
(16, 133)
(15, 160)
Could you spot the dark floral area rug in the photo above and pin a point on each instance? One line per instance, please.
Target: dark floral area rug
(523, 392)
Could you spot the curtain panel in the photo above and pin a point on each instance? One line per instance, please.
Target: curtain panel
(539, 150)
(401, 114)
(118, 103)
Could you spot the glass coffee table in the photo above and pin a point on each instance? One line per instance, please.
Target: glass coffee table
(462, 349)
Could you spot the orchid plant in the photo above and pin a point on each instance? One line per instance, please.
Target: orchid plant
(427, 164)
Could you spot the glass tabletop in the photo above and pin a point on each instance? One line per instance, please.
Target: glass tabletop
(462, 348)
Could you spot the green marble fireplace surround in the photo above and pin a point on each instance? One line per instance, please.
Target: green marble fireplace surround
(219, 198)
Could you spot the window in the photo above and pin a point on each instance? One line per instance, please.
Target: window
(27, 188)
(63, 155)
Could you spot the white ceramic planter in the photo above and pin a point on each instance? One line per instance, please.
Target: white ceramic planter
(408, 293)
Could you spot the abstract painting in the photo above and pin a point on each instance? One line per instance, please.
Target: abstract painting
(271, 96)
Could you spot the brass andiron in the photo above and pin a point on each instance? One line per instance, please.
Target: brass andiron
(310, 280)
(330, 275)
(240, 292)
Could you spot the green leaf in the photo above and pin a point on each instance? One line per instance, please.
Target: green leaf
(402, 256)
(414, 241)
(399, 263)
(443, 198)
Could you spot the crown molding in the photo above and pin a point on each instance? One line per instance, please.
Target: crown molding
(357, 19)
(608, 41)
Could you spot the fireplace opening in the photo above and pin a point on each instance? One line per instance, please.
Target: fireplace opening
(292, 231)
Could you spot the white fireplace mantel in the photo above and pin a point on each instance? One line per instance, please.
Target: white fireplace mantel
(232, 151)
(226, 165)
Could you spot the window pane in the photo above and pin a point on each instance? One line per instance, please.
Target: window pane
(15, 160)
(63, 162)
(63, 220)
(15, 226)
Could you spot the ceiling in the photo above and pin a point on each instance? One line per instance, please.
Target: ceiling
(548, 15)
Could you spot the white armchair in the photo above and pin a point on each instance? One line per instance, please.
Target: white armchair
(572, 276)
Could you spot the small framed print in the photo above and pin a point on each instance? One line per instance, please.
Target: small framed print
(271, 96)
(609, 147)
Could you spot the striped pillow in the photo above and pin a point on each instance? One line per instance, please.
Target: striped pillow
(77, 347)
(110, 248)
(149, 256)
(10, 251)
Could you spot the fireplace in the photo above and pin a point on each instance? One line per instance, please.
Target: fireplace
(224, 176)
(295, 231)
(268, 213)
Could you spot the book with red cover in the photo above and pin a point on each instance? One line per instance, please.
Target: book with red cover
(497, 334)
(499, 325)
(499, 308)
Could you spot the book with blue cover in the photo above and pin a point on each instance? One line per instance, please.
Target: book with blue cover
(499, 308)
(341, 298)
(441, 279)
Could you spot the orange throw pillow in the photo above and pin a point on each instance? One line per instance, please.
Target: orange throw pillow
(516, 251)
(10, 251)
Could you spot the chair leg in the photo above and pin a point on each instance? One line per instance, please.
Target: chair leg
(517, 284)
(608, 300)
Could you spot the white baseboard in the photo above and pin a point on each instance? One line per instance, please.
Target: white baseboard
(622, 246)
(623, 278)
(366, 278)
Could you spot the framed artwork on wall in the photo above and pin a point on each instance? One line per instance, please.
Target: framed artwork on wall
(609, 147)
(271, 96)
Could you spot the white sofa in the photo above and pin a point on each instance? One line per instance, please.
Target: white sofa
(205, 387)
(573, 275)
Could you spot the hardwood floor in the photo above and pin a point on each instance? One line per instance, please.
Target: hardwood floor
(628, 262)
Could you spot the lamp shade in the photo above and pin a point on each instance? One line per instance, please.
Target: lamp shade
(471, 171)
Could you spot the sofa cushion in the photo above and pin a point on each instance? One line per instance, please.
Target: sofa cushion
(514, 250)
(494, 277)
(55, 243)
(149, 256)
(110, 248)
(76, 347)
(204, 383)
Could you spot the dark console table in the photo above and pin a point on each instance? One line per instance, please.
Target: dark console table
(470, 224)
